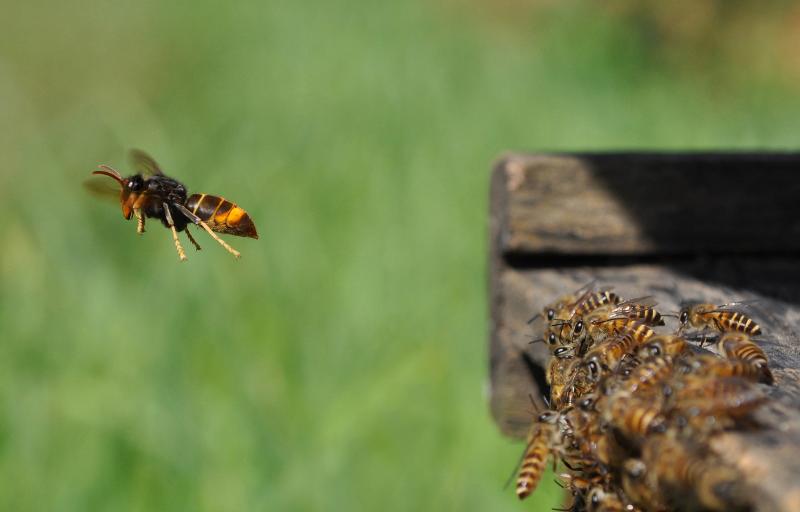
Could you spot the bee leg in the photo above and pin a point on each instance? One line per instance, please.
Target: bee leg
(191, 239)
(178, 246)
(139, 220)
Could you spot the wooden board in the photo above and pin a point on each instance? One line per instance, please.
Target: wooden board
(538, 251)
(648, 204)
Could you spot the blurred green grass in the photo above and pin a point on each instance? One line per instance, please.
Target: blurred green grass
(341, 364)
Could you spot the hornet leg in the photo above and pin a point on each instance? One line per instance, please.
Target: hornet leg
(139, 220)
(194, 218)
(191, 239)
(178, 246)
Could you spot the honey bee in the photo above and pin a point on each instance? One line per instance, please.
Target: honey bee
(635, 416)
(641, 309)
(576, 334)
(541, 442)
(559, 373)
(714, 400)
(648, 374)
(561, 307)
(556, 335)
(739, 346)
(555, 309)
(637, 488)
(591, 301)
(722, 318)
(664, 345)
(707, 364)
(610, 352)
(583, 441)
(602, 500)
(621, 326)
(151, 194)
(688, 478)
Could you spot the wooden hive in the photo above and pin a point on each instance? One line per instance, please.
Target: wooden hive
(710, 226)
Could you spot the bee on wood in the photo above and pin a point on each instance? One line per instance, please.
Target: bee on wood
(722, 318)
(665, 345)
(641, 309)
(710, 365)
(626, 326)
(152, 194)
(575, 334)
(635, 416)
(739, 346)
(582, 439)
(554, 310)
(689, 479)
(561, 307)
(648, 374)
(718, 397)
(612, 351)
(590, 301)
(582, 332)
(601, 500)
(637, 488)
(541, 444)
(559, 370)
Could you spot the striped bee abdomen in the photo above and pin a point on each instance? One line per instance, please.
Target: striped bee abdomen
(533, 464)
(735, 321)
(222, 215)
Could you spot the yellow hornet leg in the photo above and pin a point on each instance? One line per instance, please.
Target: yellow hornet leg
(191, 239)
(221, 241)
(139, 221)
(178, 246)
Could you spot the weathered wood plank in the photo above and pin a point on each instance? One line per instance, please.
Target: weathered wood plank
(649, 204)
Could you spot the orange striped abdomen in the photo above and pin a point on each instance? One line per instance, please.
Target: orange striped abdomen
(646, 315)
(735, 321)
(649, 374)
(595, 301)
(222, 215)
(535, 459)
(636, 417)
(627, 326)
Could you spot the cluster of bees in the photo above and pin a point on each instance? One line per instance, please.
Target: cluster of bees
(631, 410)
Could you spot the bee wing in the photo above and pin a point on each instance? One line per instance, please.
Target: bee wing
(732, 306)
(574, 306)
(586, 290)
(647, 301)
(144, 163)
(623, 308)
(102, 188)
(587, 287)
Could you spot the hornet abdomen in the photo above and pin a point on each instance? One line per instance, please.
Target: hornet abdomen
(221, 215)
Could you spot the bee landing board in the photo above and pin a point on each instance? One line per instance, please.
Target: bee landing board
(706, 227)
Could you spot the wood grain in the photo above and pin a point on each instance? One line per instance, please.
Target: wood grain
(649, 204)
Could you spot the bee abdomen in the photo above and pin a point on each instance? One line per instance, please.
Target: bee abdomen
(652, 317)
(596, 301)
(739, 322)
(531, 470)
(222, 215)
(634, 417)
(745, 357)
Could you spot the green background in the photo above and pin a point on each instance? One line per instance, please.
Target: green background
(341, 363)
